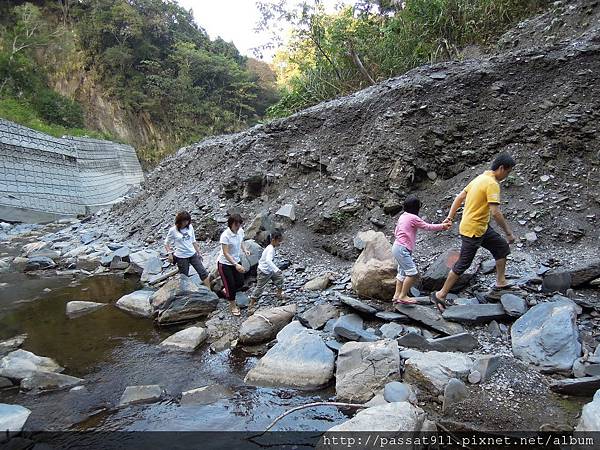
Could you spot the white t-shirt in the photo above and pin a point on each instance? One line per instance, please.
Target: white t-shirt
(266, 264)
(234, 241)
(182, 241)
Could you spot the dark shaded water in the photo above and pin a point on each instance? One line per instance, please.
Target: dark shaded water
(112, 350)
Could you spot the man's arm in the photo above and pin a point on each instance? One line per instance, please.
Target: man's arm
(500, 220)
(456, 204)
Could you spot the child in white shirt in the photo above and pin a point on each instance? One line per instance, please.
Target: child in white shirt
(268, 271)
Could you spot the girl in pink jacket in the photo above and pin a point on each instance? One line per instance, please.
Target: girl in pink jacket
(406, 232)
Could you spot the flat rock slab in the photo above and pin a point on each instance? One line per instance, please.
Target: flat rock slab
(472, 314)
(141, 394)
(12, 344)
(394, 417)
(186, 340)
(264, 324)
(462, 342)
(79, 308)
(350, 326)
(318, 284)
(137, 303)
(431, 317)
(514, 305)
(48, 381)
(317, 316)
(357, 305)
(21, 364)
(433, 370)
(205, 395)
(13, 417)
(392, 316)
(583, 387)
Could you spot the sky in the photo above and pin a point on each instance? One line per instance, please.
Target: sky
(232, 20)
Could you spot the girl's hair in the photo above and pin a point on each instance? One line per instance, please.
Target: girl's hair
(412, 204)
(182, 216)
(275, 236)
(234, 218)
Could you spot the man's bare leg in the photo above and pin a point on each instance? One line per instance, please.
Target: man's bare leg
(501, 273)
(451, 280)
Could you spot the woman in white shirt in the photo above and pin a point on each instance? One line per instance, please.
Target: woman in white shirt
(229, 261)
(183, 249)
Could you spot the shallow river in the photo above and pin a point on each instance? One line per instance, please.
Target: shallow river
(112, 350)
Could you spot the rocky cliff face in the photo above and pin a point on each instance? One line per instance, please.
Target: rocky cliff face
(348, 163)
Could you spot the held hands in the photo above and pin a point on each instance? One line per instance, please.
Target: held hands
(447, 223)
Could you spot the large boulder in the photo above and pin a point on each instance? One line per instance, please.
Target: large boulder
(394, 417)
(137, 303)
(433, 370)
(264, 324)
(590, 415)
(547, 336)
(186, 340)
(363, 368)
(181, 300)
(251, 260)
(145, 259)
(374, 272)
(562, 279)
(12, 418)
(435, 276)
(300, 359)
(21, 364)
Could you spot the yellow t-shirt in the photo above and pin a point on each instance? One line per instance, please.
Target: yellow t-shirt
(482, 191)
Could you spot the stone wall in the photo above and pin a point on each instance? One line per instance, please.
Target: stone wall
(43, 178)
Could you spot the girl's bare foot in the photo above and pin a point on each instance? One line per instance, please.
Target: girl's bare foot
(234, 309)
(404, 301)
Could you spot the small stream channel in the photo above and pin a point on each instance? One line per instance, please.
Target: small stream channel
(112, 350)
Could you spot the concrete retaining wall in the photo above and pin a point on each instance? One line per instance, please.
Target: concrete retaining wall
(43, 178)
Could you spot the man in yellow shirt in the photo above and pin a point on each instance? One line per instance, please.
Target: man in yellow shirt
(481, 198)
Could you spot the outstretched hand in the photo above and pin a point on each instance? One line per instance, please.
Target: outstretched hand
(447, 223)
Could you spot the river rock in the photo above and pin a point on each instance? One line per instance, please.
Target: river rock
(12, 418)
(430, 316)
(432, 370)
(391, 330)
(39, 263)
(144, 259)
(11, 344)
(514, 305)
(300, 359)
(414, 340)
(363, 368)
(21, 364)
(288, 211)
(462, 342)
(205, 395)
(394, 417)
(547, 336)
(318, 284)
(472, 314)
(590, 415)
(486, 366)
(186, 340)
(585, 386)
(264, 324)
(357, 304)
(317, 316)
(141, 394)
(350, 326)
(378, 400)
(137, 303)
(40, 382)
(391, 316)
(395, 391)
(374, 272)
(435, 276)
(79, 308)
(454, 392)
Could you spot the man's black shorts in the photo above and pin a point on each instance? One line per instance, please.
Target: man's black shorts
(490, 240)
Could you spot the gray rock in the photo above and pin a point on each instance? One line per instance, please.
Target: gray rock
(414, 340)
(205, 395)
(350, 326)
(79, 308)
(462, 342)
(11, 344)
(584, 387)
(251, 260)
(488, 266)
(186, 340)
(357, 305)
(494, 329)
(514, 306)
(317, 316)
(547, 336)
(21, 364)
(141, 394)
(12, 418)
(433, 279)
(264, 324)
(572, 277)
(40, 382)
(391, 330)
(378, 400)
(433, 370)
(363, 368)
(334, 345)
(137, 303)
(466, 301)
(486, 366)
(474, 313)
(145, 260)
(454, 392)
(396, 391)
(592, 370)
(288, 211)
(393, 417)
(241, 299)
(181, 300)
(5, 382)
(152, 266)
(39, 263)
(391, 316)
(590, 415)
(474, 377)
(318, 284)
(300, 359)
(430, 316)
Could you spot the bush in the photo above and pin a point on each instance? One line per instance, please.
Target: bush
(59, 110)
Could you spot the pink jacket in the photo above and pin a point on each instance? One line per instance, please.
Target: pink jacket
(407, 226)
